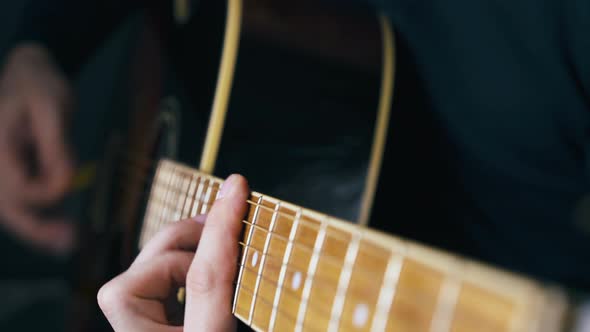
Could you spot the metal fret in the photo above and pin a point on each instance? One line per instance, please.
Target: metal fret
(387, 294)
(263, 259)
(171, 199)
(165, 208)
(180, 197)
(442, 318)
(196, 205)
(162, 191)
(244, 255)
(283, 272)
(343, 282)
(207, 199)
(186, 213)
(311, 268)
(186, 188)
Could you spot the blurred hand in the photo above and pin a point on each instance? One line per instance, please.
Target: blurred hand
(35, 165)
(136, 300)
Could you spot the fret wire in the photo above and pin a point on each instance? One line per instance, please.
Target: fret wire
(192, 188)
(195, 204)
(448, 296)
(205, 207)
(301, 222)
(187, 189)
(244, 255)
(387, 293)
(215, 189)
(311, 225)
(417, 304)
(167, 189)
(313, 263)
(181, 200)
(267, 301)
(242, 287)
(290, 217)
(263, 258)
(331, 259)
(201, 195)
(282, 214)
(317, 281)
(190, 198)
(255, 205)
(173, 198)
(389, 288)
(208, 198)
(254, 219)
(276, 306)
(163, 215)
(282, 273)
(343, 283)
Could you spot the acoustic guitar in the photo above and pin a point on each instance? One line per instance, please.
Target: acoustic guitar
(300, 269)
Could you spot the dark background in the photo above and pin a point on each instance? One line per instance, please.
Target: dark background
(32, 285)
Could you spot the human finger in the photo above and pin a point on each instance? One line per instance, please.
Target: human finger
(210, 278)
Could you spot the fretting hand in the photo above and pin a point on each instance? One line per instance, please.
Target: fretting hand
(136, 299)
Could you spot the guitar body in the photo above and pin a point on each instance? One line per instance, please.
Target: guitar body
(300, 119)
(299, 124)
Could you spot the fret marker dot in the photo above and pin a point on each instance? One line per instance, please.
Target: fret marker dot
(296, 280)
(361, 315)
(255, 258)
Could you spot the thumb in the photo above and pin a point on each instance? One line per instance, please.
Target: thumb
(210, 280)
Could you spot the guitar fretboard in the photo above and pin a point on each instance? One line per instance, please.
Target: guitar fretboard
(302, 270)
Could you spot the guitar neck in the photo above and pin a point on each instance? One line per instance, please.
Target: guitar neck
(303, 270)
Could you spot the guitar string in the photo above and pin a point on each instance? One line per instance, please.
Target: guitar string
(467, 317)
(417, 300)
(314, 226)
(363, 274)
(277, 308)
(331, 259)
(334, 260)
(206, 205)
(173, 189)
(313, 306)
(292, 267)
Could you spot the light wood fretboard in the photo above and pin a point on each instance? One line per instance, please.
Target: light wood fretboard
(301, 270)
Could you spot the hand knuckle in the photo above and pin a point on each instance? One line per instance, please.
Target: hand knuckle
(201, 280)
(108, 297)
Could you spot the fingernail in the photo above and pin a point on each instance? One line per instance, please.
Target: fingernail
(227, 186)
(200, 218)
